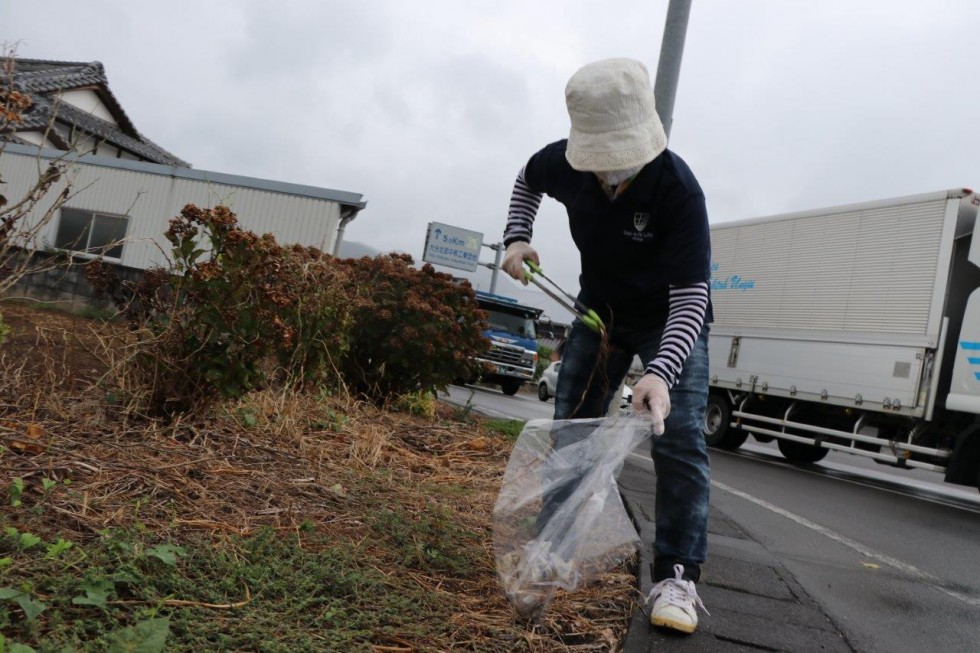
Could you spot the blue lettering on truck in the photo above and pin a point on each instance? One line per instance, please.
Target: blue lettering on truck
(731, 282)
(972, 347)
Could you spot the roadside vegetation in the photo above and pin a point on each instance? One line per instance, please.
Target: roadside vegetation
(251, 457)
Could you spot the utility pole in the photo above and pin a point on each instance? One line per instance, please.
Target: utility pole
(669, 65)
(495, 266)
(665, 90)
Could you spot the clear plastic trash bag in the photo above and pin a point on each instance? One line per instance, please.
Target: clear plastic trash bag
(559, 520)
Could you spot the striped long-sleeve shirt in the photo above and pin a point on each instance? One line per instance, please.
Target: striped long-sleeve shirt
(687, 304)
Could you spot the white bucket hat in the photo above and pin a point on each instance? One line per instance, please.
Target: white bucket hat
(615, 125)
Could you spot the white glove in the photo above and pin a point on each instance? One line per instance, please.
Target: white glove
(517, 252)
(651, 394)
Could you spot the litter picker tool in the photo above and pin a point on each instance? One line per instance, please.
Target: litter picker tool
(588, 317)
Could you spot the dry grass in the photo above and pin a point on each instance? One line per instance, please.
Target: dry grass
(393, 487)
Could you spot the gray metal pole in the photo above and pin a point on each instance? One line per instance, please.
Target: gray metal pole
(669, 65)
(499, 248)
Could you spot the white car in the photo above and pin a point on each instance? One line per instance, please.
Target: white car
(549, 381)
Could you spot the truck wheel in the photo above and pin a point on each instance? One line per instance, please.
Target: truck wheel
(510, 386)
(543, 391)
(800, 453)
(718, 431)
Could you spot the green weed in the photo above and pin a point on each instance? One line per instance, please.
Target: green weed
(430, 541)
(16, 491)
(509, 428)
(100, 314)
(266, 592)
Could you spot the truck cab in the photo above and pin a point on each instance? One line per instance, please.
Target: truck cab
(513, 356)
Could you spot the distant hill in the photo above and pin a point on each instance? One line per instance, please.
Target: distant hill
(352, 249)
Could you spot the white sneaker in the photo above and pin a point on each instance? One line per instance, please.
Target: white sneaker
(674, 600)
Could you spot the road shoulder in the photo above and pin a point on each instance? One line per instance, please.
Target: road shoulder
(754, 602)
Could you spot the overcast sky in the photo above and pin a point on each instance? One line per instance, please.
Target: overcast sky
(429, 108)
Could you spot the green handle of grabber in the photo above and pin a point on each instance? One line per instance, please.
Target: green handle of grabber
(534, 266)
(592, 320)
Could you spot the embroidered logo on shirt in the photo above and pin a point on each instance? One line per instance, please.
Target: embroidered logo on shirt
(641, 220)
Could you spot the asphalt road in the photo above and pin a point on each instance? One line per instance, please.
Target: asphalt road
(892, 561)
(492, 402)
(890, 554)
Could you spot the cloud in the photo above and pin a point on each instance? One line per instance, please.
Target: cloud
(430, 108)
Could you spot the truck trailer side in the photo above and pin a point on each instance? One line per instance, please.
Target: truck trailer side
(852, 328)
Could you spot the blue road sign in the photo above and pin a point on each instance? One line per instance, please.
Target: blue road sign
(453, 247)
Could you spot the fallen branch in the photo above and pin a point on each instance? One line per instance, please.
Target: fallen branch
(179, 603)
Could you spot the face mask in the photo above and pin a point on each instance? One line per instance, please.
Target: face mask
(616, 177)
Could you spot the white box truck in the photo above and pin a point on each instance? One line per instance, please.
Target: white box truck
(854, 328)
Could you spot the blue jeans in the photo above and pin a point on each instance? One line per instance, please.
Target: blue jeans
(680, 455)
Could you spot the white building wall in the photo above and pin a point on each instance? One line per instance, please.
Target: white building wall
(151, 200)
(87, 101)
(83, 143)
(289, 218)
(102, 149)
(36, 138)
(141, 197)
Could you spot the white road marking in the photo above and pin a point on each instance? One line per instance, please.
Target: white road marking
(914, 572)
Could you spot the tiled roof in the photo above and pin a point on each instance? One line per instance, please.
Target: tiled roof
(44, 80)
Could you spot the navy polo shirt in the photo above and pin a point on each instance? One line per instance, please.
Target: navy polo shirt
(652, 235)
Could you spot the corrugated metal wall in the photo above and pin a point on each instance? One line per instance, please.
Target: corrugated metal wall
(152, 200)
(867, 271)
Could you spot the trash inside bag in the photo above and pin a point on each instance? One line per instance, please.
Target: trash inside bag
(559, 520)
